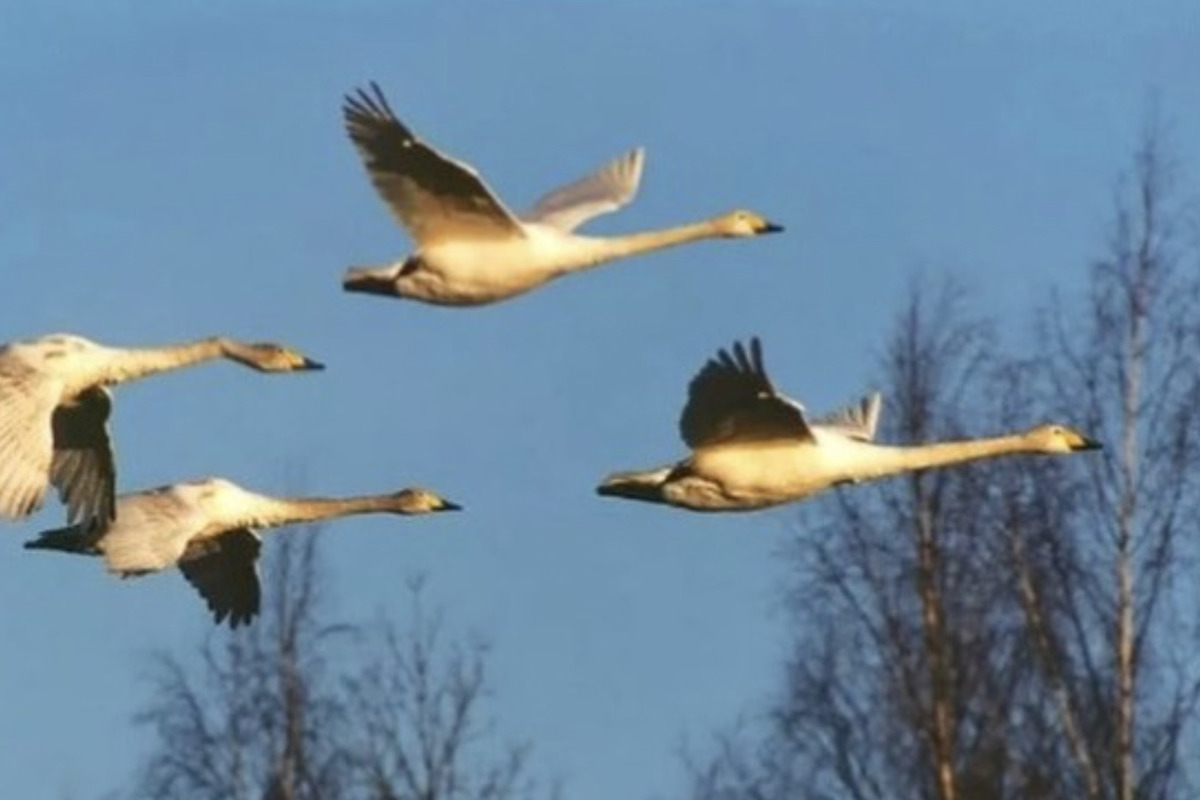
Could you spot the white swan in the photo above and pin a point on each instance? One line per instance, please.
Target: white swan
(208, 529)
(470, 249)
(754, 448)
(54, 412)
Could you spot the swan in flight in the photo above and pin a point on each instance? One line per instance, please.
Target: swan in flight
(208, 528)
(54, 412)
(753, 448)
(470, 249)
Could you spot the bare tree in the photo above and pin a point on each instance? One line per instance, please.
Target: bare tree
(260, 718)
(1017, 628)
(1128, 360)
(906, 678)
(418, 716)
(909, 679)
(295, 708)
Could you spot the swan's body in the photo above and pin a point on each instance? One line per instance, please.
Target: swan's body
(208, 528)
(471, 249)
(753, 448)
(54, 412)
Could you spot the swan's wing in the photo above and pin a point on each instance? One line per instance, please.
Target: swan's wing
(27, 400)
(82, 465)
(602, 192)
(732, 400)
(435, 197)
(224, 571)
(857, 421)
(152, 530)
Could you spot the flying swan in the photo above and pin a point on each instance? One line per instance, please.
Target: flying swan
(54, 410)
(470, 249)
(208, 528)
(753, 448)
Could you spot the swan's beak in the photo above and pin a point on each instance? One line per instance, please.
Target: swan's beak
(308, 365)
(771, 227)
(1087, 444)
(448, 506)
(368, 281)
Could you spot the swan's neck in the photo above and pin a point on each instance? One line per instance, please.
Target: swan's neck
(601, 250)
(883, 460)
(275, 512)
(130, 364)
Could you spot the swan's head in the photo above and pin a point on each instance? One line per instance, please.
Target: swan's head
(422, 501)
(269, 357)
(1059, 439)
(742, 223)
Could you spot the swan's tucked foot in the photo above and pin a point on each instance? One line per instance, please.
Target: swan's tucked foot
(72, 539)
(370, 280)
(646, 486)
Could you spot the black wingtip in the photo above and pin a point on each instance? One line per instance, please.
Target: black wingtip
(368, 102)
(360, 102)
(756, 354)
(235, 618)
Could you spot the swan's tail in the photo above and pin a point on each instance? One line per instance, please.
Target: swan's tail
(72, 539)
(645, 485)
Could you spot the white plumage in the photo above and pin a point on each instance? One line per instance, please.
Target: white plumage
(470, 248)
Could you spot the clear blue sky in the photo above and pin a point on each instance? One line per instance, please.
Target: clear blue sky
(174, 170)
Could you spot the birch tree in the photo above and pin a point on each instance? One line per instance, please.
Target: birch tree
(1018, 628)
(294, 707)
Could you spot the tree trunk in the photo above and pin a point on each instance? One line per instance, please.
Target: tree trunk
(933, 621)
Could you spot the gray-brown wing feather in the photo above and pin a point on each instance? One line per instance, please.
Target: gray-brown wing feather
(858, 421)
(224, 571)
(152, 530)
(435, 197)
(82, 466)
(732, 400)
(603, 191)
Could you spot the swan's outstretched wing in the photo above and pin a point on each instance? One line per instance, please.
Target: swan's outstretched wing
(82, 466)
(224, 571)
(27, 400)
(435, 197)
(857, 421)
(601, 192)
(732, 400)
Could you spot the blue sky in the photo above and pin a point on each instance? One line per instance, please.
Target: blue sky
(170, 171)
